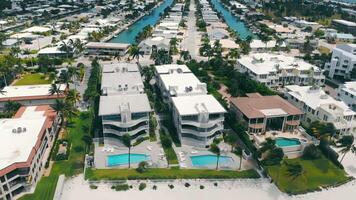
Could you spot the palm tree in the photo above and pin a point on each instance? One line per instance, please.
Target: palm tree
(346, 143)
(233, 54)
(295, 170)
(73, 96)
(126, 140)
(162, 57)
(173, 46)
(135, 52)
(78, 45)
(216, 150)
(69, 110)
(87, 140)
(185, 55)
(58, 106)
(65, 78)
(2, 91)
(14, 51)
(267, 145)
(55, 89)
(66, 47)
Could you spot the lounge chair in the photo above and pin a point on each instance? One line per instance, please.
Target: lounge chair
(149, 148)
(194, 152)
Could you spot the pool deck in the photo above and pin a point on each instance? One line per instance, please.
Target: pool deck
(151, 149)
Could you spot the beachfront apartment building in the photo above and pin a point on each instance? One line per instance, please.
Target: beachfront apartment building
(319, 106)
(30, 95)
(343, 61)
(266, 113)
(198, 117)
(124, 107)
(276, 70)
(347, 93)
(26, 140)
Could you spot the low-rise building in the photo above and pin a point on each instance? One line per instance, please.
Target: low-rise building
(158, 43)
(260, 46)
(198, 119)
(26, 140)
(343, 61)
(275, 70)
(318, 106)
(344, 26)
(102, 48)
(266, 113)
(347, 93)
(30, 95)
(340, 37)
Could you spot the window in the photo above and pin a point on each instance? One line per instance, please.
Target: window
(325, 118)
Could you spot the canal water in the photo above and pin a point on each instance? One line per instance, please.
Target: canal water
(129, 35)
(234, 22)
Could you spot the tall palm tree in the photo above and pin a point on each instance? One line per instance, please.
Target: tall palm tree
(346, 143)
(135, 52)
(173, 46)
(216, 150)
(15, 51)
(267, 145)
(69, 110)
(55, 89)
(163, 57)
(73, 96)
(126, 140)
(58, 106)
(65, 78)
(185, 55)
(233, 54)
(295, 170)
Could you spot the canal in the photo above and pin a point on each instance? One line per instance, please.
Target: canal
(232, 21)
(129, 35)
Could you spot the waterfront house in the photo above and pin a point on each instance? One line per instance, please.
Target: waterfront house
(102, 48)
(148, 44)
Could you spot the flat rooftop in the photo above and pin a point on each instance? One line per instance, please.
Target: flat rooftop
(196, 104)
(263, 63)
(172, 68)
(29, 92)
(258, 106)
(135, 103)
(20, 134)
(183, 84)
(103, 45)
(345, 22)
(316, 97)
(350, 87)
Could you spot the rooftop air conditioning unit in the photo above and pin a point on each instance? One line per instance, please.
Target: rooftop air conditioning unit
(14, 130)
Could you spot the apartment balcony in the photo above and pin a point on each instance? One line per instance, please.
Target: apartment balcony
(205, 133)
(208, 124)
(126, 124)
(121, 133)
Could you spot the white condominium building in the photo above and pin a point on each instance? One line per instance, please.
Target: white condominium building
(275, 70)
(317, 105)
(124, 107)
(198, 119)
(347, 94)
(197, 116)
(26, 140)
(177, 80)
(122, 78)
(343, 61)
(124, 114)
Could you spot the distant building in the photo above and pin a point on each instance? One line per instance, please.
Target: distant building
(298, 43)
(158, 43)
(275, 70)
(343, 61)
(260, 46)
(344, 26)
(26, 140)
(340, 37)
(318, 106)
(101, 48)
(30, 95)
(347, 94)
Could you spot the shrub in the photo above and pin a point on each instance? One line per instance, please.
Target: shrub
(142, 186)
(94, 187)
(215, 184)
(311, 152)
(187, 185)
(154, 187)
(142, 167)
(171, 186)
(201, 187)
(120, 187)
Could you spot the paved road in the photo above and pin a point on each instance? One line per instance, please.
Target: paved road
(190, 38)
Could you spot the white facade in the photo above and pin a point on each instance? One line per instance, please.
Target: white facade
(318, 106)
(343, 61)
(124, 107)
(197, 116)
(275, 70)
(347, 94)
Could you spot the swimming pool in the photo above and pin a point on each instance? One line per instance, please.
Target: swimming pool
(123, 159)
(286, 142)
(205, 160)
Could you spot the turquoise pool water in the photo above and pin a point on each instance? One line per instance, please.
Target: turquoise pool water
(123, 159)
(129, 35)
(234, 22)
(205, 160)
(286, 142)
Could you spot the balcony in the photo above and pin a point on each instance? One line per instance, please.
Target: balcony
(126, 124)
(120, 133)
(206, 133)
(210, 123)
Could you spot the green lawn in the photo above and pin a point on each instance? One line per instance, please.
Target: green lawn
(171, 156)
(46, 187)
(318, 173)
(33, 79)
(173, 173)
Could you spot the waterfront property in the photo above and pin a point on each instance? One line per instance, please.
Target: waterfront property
(26, 140)
(100, 48)
(347, 94)
(198, 119)
(344, 26)
(124, 114)
(343, 61)
(157, 43)
(275, 70)
(272, 117)
(30, 95)
(319, 106)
